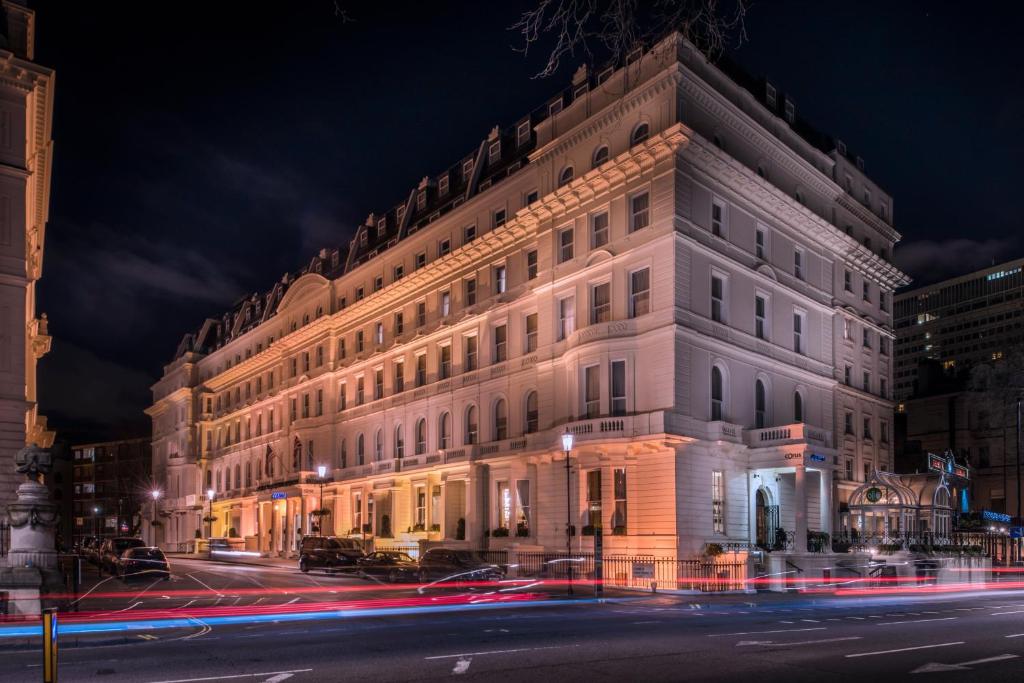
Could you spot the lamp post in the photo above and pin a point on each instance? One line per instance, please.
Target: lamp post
(567, 439)
(155, 493)
(209, 515)
(96, 520)
(321, 472)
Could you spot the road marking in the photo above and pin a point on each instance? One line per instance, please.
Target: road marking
(147, 636)
(279, 677)
(213, 590)
(782, 621)
(224, 678)
(750, 633)
(1015, 635)
(904, 649)
(857, 618)
(813, 621)
(744, 643)
(934, 667)
(463, 655)
(461, 666)
(912, 621)
(999, 614)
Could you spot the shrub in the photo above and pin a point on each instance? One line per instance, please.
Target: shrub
(367, 528)
(840, 546)
(713, 550)
(418, 527)
(500, 532)
(522, 529)
(435, 527)
(232, 533)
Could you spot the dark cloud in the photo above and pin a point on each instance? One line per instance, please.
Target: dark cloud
(932, 260)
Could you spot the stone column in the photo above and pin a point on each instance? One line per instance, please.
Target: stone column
(827, 513)
(800, 501)
(33, 517)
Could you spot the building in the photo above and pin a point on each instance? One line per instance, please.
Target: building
(112, 485)
(663, 261)
(26, 115)
(957, 323)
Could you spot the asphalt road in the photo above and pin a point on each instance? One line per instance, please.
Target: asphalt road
(762, 637)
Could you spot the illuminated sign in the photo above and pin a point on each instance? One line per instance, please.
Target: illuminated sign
(937, 463)
(816, 458)
(995, 516)
(873, 494)
(278, 495)
(960, 471)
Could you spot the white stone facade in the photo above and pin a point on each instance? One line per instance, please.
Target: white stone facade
(661, 295)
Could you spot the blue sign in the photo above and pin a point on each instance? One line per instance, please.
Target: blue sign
(814, 457)
(995, 516)
(1017, 532)
(278, 495)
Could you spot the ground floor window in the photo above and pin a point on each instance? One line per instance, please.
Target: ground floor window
(421, 508)
(523, 495)
(504, 505)
(594, 500)
(717, 502)
(619, 516)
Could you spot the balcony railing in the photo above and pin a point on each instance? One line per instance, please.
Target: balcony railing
(782, 434)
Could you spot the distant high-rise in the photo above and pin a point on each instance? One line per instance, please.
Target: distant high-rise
(26, 114)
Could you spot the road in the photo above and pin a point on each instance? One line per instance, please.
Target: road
(762, 637)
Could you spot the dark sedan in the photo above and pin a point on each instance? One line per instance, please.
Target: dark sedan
(444, 564)
(145, 562)
(390, 566)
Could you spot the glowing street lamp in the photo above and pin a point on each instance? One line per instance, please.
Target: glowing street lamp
(155, 493)
(321, 472)
(209, 516)
(567, 439)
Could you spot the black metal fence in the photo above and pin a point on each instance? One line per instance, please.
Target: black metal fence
(5, 537)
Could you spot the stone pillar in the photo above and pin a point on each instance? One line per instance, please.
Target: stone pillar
(827, 513)
(33, 517)
(800, 502)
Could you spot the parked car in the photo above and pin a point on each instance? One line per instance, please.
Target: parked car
(112, 549)
(389, 565)
(89, 548)
(145, 561)
(329, 552)
(444, 564)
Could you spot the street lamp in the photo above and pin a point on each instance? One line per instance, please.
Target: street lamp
(567, 439)
(155, 493)
(96, 520)
(209, 516)
(321, 472)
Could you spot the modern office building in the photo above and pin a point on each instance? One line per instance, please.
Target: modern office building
(664, 261)
(958, 323)
(26, 117)
(112, 485)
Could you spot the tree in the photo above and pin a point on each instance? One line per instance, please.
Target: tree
(617, 26)
(999, 386)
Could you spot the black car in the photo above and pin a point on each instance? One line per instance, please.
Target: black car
(144, 561)
(112, 549)
(388, 565)
(443, 564)
(329, 552)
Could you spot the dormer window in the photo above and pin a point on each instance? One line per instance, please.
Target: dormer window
(771, 95)
(523, 133)
(600, 155)
(363, 238)
(640, 133)
(442, 185)
(555, 107)
(790, 112)
(841, 147)
(494, 153)
(467, 169)
(421, 200)
(382, 227)
(400, 214)
(565, 177)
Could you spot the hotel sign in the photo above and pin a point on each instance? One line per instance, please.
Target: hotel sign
(278, 495)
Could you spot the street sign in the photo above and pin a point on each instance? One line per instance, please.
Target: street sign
(643, 570)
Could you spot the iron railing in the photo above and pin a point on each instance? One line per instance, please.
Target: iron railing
(639, 571)
(5, 537)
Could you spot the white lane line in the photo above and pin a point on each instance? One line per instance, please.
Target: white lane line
(750, 633)
(1015, 635)
(913, 621)
(783, 621)
(461, 666)
(857, 618)
(463, 655)
(224, 678)
(656, 621)
(904, 649)
(777, 643)
(813, 621)
(212, 590)
(999, 614)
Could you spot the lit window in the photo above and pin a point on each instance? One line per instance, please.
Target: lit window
(599, 230)
(639, 292)
(639, 211)
(565, 245)
(717, 502)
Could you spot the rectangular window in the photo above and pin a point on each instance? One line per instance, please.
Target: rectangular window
(717, 218)
(500, 282)
(639, 211)
(523, 502)
(847, 329)
(848, 375)
(717, 299)
(866, 338)
(600, 303)
(467, 169)
(591, 391)
(847, 281)
(883, 429)
(566, 317)
(343, 396)
(565, 238)
(421, 260)
(359, 294)
(717, 502)
(360, 391)
(359, 341)
(883, 387)
(469, 234)
(494, 152)
(442, 185)
(421, 369)
(849, 469)
(848, 423)
(378, 283)
(399, 323)
(445, 362)
(357, 512)
(523, 133)
(504, 505)
(531, 264)
(305, 405)
(341, 349)
(867, 470)
(594, 501)
(421, 508)
(378, 334)
(866, 376)
(867, 292)
(470, 353)
(444, 247)
(498, 218)
(867, 427)
(617, 373)
(531, 332)
(639, 292)
(378, 384)
(619, 516)
(319, 403)
(799, 323)
(599, 230)
(305, 362)
(421, 313)
(759, 244)
(446, 304)
(531, 197)
(760, 311)
(470, 286)
(399, 377)
(500, 343)
(882, 305)
(798, 264)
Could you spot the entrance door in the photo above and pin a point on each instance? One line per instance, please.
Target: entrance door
(766, 519)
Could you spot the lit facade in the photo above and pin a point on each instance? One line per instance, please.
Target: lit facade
(26, 116)
(653, 262)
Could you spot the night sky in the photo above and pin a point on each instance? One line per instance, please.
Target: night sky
(200, 154)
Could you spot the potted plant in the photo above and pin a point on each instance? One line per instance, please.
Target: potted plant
(156, 523)
(367, 528)
(435, 527)
(209, 519)
(460, 529)
(713, 550)
(522, 530)
(500, 532)
(322, 512)
(199, 534)
(417, 528)
(232, 533)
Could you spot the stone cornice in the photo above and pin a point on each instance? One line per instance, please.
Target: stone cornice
(860, 211)
(164, 403)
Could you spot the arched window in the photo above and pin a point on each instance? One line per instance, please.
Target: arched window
(472, 428)
(296, 454)
(360, 450)
(378, 446)
(717, 394)
(531, 413)
(600, 155)
(399, 442)
(798, 407)
(444, 431)
(421, 436)
(565, 177)
(344, 454)
(640, 133)
(760, 405)
(500, 420)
